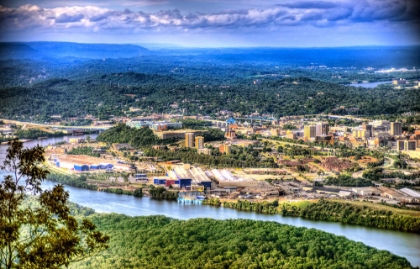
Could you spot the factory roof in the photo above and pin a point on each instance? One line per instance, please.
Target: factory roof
(181, 172)
(410, 192)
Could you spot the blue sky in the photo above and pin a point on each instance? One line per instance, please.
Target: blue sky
(214, 23)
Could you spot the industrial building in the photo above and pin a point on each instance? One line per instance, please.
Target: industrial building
(224, 178)
(200, 177)
(185, 179)
(82, 167)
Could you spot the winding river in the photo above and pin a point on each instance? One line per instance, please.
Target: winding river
(400, 243)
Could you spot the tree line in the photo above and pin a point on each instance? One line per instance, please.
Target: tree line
(161, 242)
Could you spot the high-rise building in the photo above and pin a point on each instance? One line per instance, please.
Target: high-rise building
(321, 128)
(368, 128)
(225, 148)
(396, 128)
(189, 140)
(309, 131)
(199, 142)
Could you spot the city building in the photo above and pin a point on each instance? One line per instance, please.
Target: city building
(410, 145)
(396, 128)
(400, 145)
(199, 142)
(205, 151)
(309, 131)
(225, 148)
(321, 128)
(406, 145)
(368, 128)
(189, 140)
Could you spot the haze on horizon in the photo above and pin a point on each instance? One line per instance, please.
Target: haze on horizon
(214, 23)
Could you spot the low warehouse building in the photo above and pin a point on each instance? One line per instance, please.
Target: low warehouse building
(81, 167)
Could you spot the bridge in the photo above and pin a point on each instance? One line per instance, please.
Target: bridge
(61, 127)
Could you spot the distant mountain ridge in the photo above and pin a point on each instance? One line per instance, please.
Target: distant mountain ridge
(31, 50)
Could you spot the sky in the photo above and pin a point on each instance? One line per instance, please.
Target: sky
(214, 23)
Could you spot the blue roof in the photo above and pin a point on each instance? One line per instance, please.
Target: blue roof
(230, 121)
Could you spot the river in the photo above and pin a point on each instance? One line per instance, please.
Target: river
(400, 243)
(369, 84)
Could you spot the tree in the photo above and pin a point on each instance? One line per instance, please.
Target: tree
(44, 234)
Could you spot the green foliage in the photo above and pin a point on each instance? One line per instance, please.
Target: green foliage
(260, 207)
(289, 126)
(373, 174)
(76, 181)
(161, 242)
(195, 124)
(354, 214)
(83, 151)
(297, 151)
(214, 135)
(35, 133)
(125, 134)
(43, 235)
(137, 192)
(102, 93)
(245, 158)
(348, 181)
(212, 201)
(162, 193)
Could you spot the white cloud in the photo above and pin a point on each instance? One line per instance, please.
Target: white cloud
(97, 19)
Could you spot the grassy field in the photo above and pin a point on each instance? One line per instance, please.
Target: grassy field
(376, 206)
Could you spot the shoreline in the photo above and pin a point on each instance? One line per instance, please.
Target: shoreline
(358, 213)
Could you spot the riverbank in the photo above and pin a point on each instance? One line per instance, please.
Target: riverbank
(364, 214)
(348, 212)
(400, 243)
(81, 182)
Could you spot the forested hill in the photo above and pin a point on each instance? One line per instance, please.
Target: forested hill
(112, 93)
(161, 242)
(39, 50)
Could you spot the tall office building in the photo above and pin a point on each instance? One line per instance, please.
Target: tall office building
(189, 140)
(199, 142)
(309, 131)
(396, 128)
(321, 128)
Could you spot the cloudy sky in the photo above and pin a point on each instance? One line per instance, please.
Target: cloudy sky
(214, 23)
